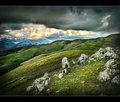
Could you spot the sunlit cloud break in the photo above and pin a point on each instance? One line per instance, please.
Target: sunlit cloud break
(39, 31)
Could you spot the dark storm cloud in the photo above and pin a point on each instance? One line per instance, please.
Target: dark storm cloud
(86, 18)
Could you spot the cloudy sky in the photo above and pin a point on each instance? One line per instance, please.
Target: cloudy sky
(37, 22)
(65, 17)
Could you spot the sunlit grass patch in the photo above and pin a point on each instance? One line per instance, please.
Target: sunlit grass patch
(80, 80)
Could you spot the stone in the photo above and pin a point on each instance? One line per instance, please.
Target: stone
(60, 75)
(39, 88)
(82, 58)
(104, 76)
(91, 59)
(106, 53)
(112, 63)
(29, 88)
(64, 71)
(99, 54)
(37, 81)
(65, 63)
(46, 75)
(109, 49)
(107, 74)
(102, 51)
(40, 83)
(116, 80)
(46, 82)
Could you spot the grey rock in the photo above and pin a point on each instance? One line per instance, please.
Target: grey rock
(64, 71)
(107, 74)
(29, 88)
(60, 75)
(82, 58)
(116, 80)
(46, 82)
(65, 63)
(104, 76)
(40, 83)
(91, 59)
(39, 88)
(110, 64)
(105, 53)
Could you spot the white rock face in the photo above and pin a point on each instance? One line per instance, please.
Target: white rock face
(104, 76)
(110, 64)
(46, 82)
(39, 83)
(65, 63)
(105, 53)
(82, 58)
(60, 75)
(91, 59)
(64, 71)
(46, 75)
(116, 80)
(107, 74)
(39, 88)
(29, 88)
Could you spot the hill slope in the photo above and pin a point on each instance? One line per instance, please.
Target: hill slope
(15, 81)
(19, 55)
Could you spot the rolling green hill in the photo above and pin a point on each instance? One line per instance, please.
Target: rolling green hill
(13, 60)
(15, 77)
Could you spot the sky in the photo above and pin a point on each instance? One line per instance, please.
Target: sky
(44, 22)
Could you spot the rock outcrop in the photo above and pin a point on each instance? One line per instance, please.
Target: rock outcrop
(65, 63)
(105, 53)
(60, 75)
(82, 59)
(39, 84)
(116, 80)
(111, 68)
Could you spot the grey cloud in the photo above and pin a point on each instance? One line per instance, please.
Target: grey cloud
(66, 17)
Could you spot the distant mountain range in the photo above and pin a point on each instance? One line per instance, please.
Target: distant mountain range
(6, 44)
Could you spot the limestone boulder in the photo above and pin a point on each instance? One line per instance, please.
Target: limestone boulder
(116, 80)
(29, 88)
(82, 58)
(60, 75)
(39, 84)
(65, 63)
(107, 74)
(64, 71)
(104, 76)
(112, 63)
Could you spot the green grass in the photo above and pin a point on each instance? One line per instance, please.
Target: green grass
(16, 78)
(13, 60)
(36, 68)
(82, 80)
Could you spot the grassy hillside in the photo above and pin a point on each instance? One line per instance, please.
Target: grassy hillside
(36, 68)
(13, 60)
(81, 79)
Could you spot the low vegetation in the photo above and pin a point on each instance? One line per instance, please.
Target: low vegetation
(81, 79)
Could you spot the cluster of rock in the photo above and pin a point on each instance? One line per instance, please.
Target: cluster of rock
(104, 53)
(111, 68)
(82, 59)
(65, 65)
(39, 84)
